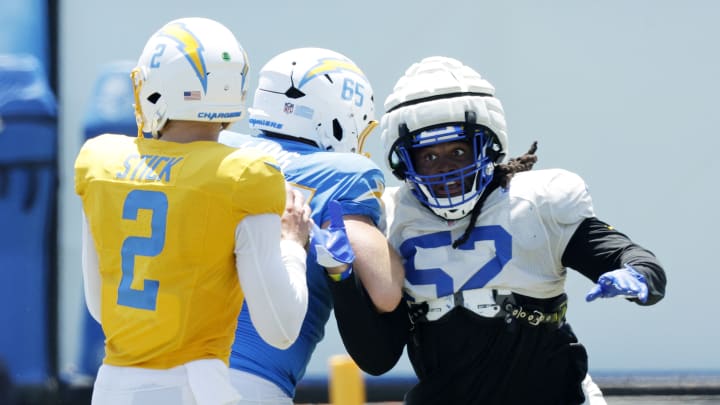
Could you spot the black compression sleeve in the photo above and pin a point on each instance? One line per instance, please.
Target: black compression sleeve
(596, 248)
(375, 341)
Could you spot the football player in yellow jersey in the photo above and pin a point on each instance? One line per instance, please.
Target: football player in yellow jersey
(178, 228)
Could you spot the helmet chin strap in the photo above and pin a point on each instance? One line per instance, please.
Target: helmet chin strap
(363, 136)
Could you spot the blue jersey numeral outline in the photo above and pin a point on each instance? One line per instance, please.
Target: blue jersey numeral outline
(416, 274)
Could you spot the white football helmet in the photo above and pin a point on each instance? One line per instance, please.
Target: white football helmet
(441, 100)
(191, 69)
(317, 95)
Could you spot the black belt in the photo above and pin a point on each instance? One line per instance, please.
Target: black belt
(534, 317)
(512, 307)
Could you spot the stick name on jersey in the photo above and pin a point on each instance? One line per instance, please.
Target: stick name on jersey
(148, 168)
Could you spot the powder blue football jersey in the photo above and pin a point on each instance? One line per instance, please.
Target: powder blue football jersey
(357, 183)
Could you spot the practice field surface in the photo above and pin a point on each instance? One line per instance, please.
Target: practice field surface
(633, 400)
(664, 400)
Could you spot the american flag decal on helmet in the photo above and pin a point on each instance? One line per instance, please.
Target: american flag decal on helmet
(191, 95)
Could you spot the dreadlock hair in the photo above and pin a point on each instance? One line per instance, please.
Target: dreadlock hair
(501, 178)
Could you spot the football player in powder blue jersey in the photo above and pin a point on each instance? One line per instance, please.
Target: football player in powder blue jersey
(314, 109)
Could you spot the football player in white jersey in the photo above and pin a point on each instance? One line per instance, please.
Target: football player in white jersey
(486, 244)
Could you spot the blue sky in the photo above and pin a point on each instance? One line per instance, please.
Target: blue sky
(625, 93)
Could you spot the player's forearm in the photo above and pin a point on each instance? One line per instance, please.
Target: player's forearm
(377, 265)
(273, 279)
(596, 248)
(374, 340)
(288, 298)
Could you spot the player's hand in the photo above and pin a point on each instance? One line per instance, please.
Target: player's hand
(331, 245)
(295, 221)
(625, 282)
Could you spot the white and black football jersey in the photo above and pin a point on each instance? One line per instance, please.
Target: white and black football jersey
(516, 243)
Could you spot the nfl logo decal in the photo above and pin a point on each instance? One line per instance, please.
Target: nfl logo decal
(192, 95)
(289, 107)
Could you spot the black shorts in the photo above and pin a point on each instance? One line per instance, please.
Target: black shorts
(463, 358)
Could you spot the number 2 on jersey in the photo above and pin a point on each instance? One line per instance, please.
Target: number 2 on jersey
(156, 202)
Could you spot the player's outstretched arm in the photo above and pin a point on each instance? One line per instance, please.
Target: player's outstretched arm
(354, 241)
(377, 264)
(601, 253)
(373, 329)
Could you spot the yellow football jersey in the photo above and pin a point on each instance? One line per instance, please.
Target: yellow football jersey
(163, 217)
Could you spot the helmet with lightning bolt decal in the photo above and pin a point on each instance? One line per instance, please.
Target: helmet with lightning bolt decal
(315, 94)
(191, 69)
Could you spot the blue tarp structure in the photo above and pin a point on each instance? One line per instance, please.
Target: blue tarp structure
(110, 110)
(28, 220)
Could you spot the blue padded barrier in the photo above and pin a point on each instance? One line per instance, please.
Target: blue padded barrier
(28, 220)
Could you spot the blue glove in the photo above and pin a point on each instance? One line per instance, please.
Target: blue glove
(331, 245)
(626, 282)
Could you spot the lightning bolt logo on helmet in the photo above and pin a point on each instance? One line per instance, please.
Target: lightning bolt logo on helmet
(190, 69)
(327, 65)
(190, 46)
